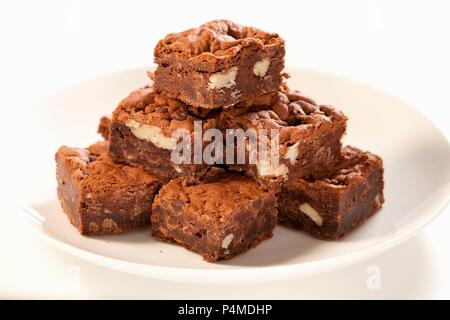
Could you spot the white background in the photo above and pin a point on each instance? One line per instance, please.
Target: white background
(402, 47)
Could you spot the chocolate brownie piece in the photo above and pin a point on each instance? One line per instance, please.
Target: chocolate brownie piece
(100, 196)
(142, 130)
(219, 64)
(331, 207)
(217, 219)
(309, 135)
(103, 127)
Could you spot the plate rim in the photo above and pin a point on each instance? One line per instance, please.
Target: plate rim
(232, 275)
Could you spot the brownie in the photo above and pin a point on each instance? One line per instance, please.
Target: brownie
(309, 135)
(100, 196)
(217, 219)
(331, 207)
(219, 64)
(141, 133)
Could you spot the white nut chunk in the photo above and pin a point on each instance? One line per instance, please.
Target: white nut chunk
(109, 225)
(223, 79)
(292, 153)
(378, 200)
(227, 240)
(260, 68)
(270, 169)
(151, 133)
(311, 213)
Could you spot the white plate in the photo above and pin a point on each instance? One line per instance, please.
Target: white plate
(417, 162)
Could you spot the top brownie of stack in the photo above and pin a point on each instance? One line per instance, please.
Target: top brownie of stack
(219, 64)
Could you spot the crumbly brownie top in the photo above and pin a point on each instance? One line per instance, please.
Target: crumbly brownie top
(95, 170)
(215, 200)
(214, 40)
(354, 166)
(286, 110)
(146, 106)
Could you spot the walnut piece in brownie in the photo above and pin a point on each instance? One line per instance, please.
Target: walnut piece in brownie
(217, 219)
(141, 133)
(219, 64)
(100, 196)
(331, 207)
(309, 134)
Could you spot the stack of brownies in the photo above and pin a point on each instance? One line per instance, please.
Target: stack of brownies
(220, 78)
